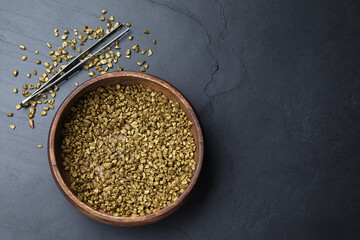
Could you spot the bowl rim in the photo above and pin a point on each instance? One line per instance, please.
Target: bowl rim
(104, 217)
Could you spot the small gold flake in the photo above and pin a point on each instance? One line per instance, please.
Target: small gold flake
(136, 48)
(31, 123)
(141, 63)
(32, 111)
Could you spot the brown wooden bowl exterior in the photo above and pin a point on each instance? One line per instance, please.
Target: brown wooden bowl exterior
(123, 78)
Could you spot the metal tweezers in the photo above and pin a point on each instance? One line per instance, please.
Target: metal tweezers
(75, 65)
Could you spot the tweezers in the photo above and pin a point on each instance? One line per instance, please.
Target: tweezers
(75, 65)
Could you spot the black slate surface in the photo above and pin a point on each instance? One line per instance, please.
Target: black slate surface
(275, 85)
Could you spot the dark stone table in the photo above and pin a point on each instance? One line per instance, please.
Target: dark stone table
(275, 85)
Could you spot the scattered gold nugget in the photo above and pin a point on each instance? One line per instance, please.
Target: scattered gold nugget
(141, 63)
(150, 52)
(31, 123)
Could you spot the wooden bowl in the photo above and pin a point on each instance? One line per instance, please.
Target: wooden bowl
(55, 137)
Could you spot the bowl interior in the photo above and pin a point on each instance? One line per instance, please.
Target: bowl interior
(62, 177)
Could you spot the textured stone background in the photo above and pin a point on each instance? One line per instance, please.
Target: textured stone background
(275, 84)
